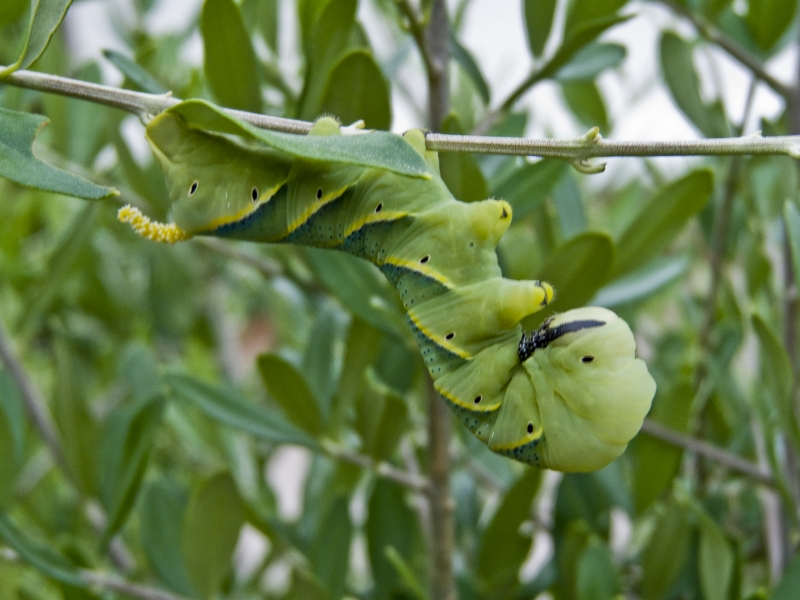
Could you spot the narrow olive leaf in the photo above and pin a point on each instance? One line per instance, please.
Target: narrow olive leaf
(790, 583)
(502, 547)
(576, 40)
(263, 16)
(43, 557)
(767, 20)
(136, 74)
(665, 556)
(641, 284)
(684, 85)
(716, 561)
(661, 220)
(229, 61)
(9, 461)
(126, 446)
(359, 287)
(376, 149)
(47, 16)
(597, 573)
(406, 573)
(463, 57)
(582, 12)
(538, 22)
(356, 89)
(287, 386)
(590, 61)
(211, 526)
(17, 133)
(578, 268)
(227, 406)
(791, 217)
(161, 513)
(584, 100)
(11, 11)
(529, 186)
(381, 418)
(330, 549)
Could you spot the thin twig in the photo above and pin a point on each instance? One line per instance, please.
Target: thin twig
(576, 150)
(713, 35)
(382, 469)
(34, 403)
(715, 453)
(113, 583)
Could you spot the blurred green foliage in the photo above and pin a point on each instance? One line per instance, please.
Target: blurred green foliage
(184, 381)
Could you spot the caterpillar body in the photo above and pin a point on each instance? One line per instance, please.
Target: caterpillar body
(568, 396)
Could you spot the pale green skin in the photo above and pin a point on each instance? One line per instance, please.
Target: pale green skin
(552, 410)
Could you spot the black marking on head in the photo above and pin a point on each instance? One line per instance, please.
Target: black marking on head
(193, 188)
(379, 208)
(254, 194)
(545, 300)
(530, 428)
(477, 399)
(541, 338)
(424, 259)
(319, 193)
(450, 335)
(504, 214)
(587, 359)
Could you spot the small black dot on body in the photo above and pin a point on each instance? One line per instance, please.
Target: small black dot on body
(254, 194)
(424, 259)
(379, 208)
(477, 400)
(530, 427)
(319, 193)
(587, 359)
(193, 188)
(450, 335)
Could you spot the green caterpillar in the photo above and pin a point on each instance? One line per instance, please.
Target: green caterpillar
(568, 396)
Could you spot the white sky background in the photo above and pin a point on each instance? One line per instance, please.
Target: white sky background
(638, 102)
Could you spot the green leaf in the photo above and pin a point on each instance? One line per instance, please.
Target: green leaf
(661, 220)
(17, 162)
(14, 411)
(538, 21)
(127, 442)
(136, 74)
(590, 61)
(390, 524)
(11, 11)
(531, 184)
(597, 576)
(641, 284)
(502, 548)
(568, 200)
(263, 15)
(582, 12)
(9, 461)
(578, 268)
(716, 561)
(377, 149)
(584, 100)
(327, 40)
(460, 170)
(319, 360)
(211, 525)
(791, 218)
(463, 57)
(226, 406)
(161, 513)
(229, 61)
(359, 287)
(330, 552)
(405, 572)
(356, 89)
(287, 386)
(381, 418)
(363, 342)
(684, 85)
(664, 557)
(47, 16)
(790, 582)
(768, 20)
(51, 562)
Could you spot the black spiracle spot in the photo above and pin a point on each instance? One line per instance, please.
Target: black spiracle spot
(587, 359)
(379, 208)
(254, 194)
(530, 427)
(424, 259)
(477, 399)
(193, 188)
(319, 193)
(450, 335)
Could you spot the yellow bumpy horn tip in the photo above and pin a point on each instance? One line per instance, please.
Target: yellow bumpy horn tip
(157, 232)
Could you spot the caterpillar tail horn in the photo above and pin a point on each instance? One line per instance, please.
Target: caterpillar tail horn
(152, 230)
